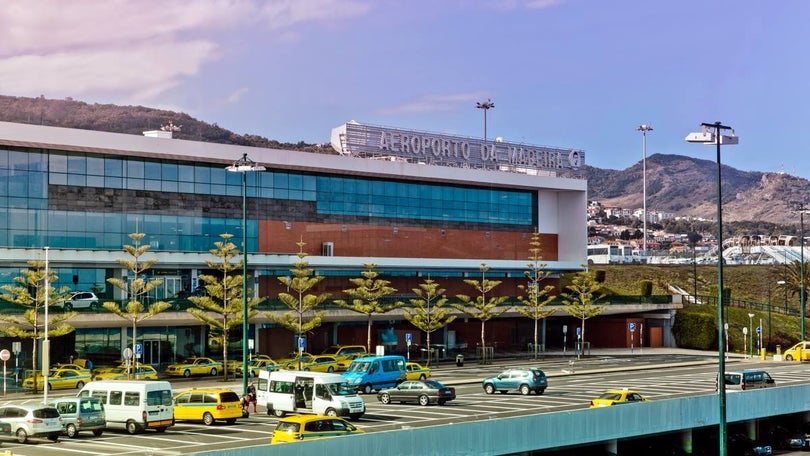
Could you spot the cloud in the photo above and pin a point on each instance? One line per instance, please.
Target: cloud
(237, 95)
(434, 103)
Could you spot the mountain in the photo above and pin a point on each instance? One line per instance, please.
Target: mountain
(687, 186)
(676, 184)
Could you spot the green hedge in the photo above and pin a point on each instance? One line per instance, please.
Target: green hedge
(695, 331)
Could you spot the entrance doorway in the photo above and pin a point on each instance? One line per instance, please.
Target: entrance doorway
(151, 352)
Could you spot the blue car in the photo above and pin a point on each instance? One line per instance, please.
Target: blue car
(523, 380)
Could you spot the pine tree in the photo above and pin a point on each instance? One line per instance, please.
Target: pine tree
(536, 299)
(28, 325)
(222, 308)
(581, 301)
(136, 290)
(366, 295)
(297, 319)
(427, 312)
(482, 307)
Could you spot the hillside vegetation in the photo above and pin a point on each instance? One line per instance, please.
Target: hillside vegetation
(696, 325)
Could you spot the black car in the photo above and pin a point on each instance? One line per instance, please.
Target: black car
(423, 392)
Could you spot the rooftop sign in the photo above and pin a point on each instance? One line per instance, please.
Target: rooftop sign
(394, 144)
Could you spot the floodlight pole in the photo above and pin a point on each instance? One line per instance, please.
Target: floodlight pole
(244, 165)
(711, 134)
(485, 106)
(644, 129)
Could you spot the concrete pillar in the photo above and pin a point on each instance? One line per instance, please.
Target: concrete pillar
(612, 447)
(751, 429)
(686, 441)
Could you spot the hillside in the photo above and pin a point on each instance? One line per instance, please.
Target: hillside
(676, 184)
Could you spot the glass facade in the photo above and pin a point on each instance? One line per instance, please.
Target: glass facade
(33, 221)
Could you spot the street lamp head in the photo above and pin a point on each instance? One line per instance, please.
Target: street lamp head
(750, 315)
(644, 127)
(244, 164)
(485, 105)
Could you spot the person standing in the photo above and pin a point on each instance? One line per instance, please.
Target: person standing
(251, 396)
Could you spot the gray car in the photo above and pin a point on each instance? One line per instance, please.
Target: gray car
(81, 414)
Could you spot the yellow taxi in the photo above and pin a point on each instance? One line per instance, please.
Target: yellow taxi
(415, 371)
(613, 397)
(208, 405)
(102, 369)
(307, 427)
(194, 366)
(235, 366)
(259, 365)
(289, 357)
(70, 366)
(59, 379)
(319, 363)
(143, 372)
(346, 361)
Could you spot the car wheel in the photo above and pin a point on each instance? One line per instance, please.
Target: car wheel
(94, 307)
(279, 413)
(53, 437)
(422, 377)
(132, 427)
(385, 398)
(489, 388)
(306, 369)
(22, 436)
(330, 370)
(98, 432)
(213, 371)
(71, 431)
(525, 390)
(67, 307)
(186, 373)
(367, 389)
(331, 412)
(208, 419)
(788, 358)
(424, 400)
(79, 385)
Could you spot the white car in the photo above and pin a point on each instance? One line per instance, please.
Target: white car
(81, 300)
(30, 420)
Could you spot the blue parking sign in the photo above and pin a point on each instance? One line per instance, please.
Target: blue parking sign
(408, 338)
(632, 326)
(138, 349)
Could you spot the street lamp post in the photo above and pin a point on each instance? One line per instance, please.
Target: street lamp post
(644, 128)
(485, 105)
(710, 134)
(801, 207)
(244, 165)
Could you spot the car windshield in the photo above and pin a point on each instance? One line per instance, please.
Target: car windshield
(118, 370)
(611, 396)
(285, 426)
(434, 384)
(359, 366)
(340, 389)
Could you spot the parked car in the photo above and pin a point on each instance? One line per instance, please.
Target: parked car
(415, 371)
(32, 420)
(81, 300)
(523, 380)
(70, 366)
(319, 363)
(344, 363)
(792, 353)
(614, 396)
(142, 372)
(208, 405)
(81, 414)
(341, 352)
(194, 366)
(423, 392)
(258, 365)
(307, 427)
(59, 379)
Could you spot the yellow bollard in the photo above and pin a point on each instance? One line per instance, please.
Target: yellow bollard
(799, 354)
(762, 354)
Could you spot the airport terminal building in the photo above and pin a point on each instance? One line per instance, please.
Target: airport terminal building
(416, 204)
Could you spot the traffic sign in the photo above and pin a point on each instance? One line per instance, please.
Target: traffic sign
(300, 342)
(759, 330)
(127, 353)
(138, 349)
(408, 338)
(579, 330)
(5, 355)
(632, 326)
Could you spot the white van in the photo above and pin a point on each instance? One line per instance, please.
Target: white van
(134, 405)
(321, 393)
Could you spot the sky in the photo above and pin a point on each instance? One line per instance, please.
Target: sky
(581, 74)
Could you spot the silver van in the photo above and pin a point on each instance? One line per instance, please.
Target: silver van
(748, 379)
(81, 414)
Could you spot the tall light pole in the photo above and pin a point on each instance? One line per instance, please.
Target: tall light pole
(710, 134)
(244, 165)
(46, 344)
(644, 128)
(485, 105)
(801, 207)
